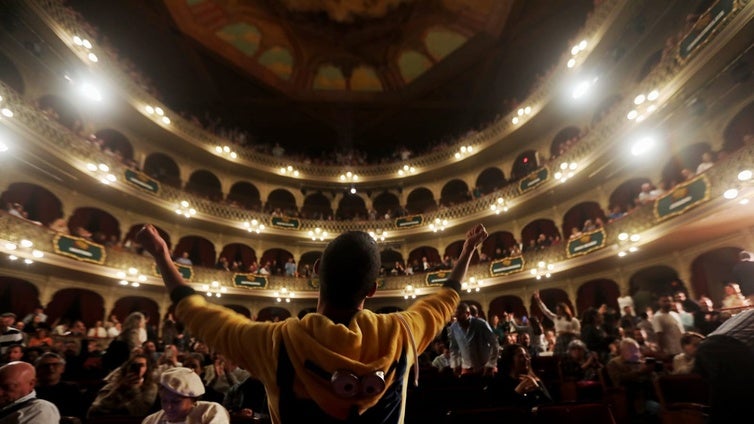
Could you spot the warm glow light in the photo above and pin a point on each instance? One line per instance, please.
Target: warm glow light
(149, 109)
(639, 99)
(515, 120)
(653, 95)
(623, 236)
(93, 57)
(6, 112)
(642, 146)
(744, 175)
(92, 167)
(730, 193)
(26, 243)
(571, 62)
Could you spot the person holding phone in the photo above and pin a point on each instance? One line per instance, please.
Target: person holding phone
(130, 391)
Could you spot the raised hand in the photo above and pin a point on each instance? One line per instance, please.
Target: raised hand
(475, 236)
(151, 240)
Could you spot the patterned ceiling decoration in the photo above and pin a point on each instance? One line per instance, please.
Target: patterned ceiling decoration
(304, 47)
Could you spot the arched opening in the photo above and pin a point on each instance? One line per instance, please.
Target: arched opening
(551, 297)
(94, 224)
(38, 202)
(276, 258)
(648, 284)
(273, 314)
(240, 254)
(711, 270)
(687, 159)
(564, 140)
(388, 258)
(116, 143)
(605, 107)
(498, 244)
(61, 110)
(416, 255)
(652, 61)
(206, 184)
(624, 196)
(240, 309)
(351, 206)
(526, 163)
(163, 168)
(595, 293)
(316, 206)
(10, 75)
(128, 239)
(386, 203)
(200, 251)
(245, 195)
(283, 201)
(739, 130)
(534, 231)
(306, 262)
(126, 305)
(75, 304)
(508, 303)
(490, 180)
(453, 251)
(454, 192)
(577, 217)
(420, 200)
(18, 296)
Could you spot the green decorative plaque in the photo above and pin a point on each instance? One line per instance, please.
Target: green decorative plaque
(186, 271)
(506, 266)
(705, 26)
(533, 180)
(79, 248)
(682, 198)
(588, 242)
(437, 278)
(252, 281)
(409, 221)
(142, 181)
(285, 222)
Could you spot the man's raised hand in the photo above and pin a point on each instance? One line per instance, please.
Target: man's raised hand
(151, 241)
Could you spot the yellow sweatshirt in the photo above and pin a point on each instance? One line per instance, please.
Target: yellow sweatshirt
(370, 342)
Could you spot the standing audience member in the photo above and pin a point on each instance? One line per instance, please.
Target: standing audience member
(18, 400)
(180, 390)
(473, 345)
(567, 327)
(65, 395)
(668, 328)
(340, 336)
(131, 391)
(630, 371)
(733, 296)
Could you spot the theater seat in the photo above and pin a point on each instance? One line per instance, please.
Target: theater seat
(574, 413)
(508, 415)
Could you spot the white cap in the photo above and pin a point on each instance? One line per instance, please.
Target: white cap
(182, 381)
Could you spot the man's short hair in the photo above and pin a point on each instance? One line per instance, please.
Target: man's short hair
(49, 355)
(348, 269)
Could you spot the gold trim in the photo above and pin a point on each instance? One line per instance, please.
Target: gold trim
(589, 234)
(57, 250)
(706, 197)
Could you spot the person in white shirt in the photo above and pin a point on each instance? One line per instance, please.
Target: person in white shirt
(180, 389)
(567, 327)
(97, 332)
(706, 163)
(668, 327)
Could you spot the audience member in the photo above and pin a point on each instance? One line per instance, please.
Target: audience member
(130, 391)
(517, 384)
(65, 395)
(473, 345)
(179, 391)
(18, 400)
(567, 327)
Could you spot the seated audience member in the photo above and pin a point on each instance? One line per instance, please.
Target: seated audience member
(647, 348)
(18, 400)
(630, 371)
(683, 363)
(706, 163)
(60, 226)
(219, 377)
(247, 399)
(13, 353)
(516, 384)
(97, 332)
(65, 395)
(442, 361)
(706, 319)
(733, 296)
(184, 259)
(168, 360)
(580, 364)
(130, 391)
(724, 359)
(180, 390)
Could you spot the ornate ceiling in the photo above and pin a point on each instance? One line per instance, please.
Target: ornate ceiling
(363, 46)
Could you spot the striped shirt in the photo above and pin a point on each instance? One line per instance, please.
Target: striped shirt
(10, 336)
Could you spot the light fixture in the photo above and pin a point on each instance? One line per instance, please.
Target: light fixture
(158, 113)
(642, 146)
(3, 147)
(318, 234)
(409, 292)
(464, 151)
(742, 188)
(378, 235)
(499, 206)
(226, 151)
(102, 173)
(543, 269)
(627, 243)
(214, 289)
(289, 170)
(577, 53)
(349, 176)
(438, 224)
(644, 105)
(185, 209)
(521, 113)
(471, 286)
(283, 295)
(6, 112)
(566, 171)
(130, 277)
(23, 249)
(406, 170)
(253, 226)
